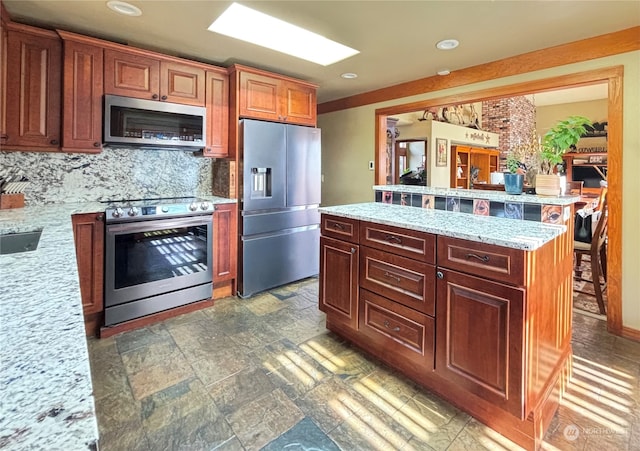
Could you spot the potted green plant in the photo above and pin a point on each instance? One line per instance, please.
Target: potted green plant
(555, 144)
(514, 178)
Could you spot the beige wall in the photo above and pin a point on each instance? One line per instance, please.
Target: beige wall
(548, 116)
(348, 144)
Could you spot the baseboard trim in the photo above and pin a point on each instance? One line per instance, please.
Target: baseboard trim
(631, 334)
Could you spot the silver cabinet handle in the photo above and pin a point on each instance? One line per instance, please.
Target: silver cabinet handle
(388, 326)
(353, 250)
(439, 275)
(338, 226)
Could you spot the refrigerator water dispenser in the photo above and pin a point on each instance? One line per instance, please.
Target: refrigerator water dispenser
(260, 183)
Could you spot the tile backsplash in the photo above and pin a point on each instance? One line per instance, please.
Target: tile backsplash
(115, 173)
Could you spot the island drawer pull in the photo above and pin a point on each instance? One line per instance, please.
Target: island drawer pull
(484, 258)
(393, 239)
(391, 276)
(337, 225)
(388, 326)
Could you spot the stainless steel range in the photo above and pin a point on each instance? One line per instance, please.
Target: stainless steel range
(158, 256)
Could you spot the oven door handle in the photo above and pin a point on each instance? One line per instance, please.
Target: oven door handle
(146, 226)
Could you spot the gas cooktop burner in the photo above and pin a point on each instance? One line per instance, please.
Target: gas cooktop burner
(144, 209)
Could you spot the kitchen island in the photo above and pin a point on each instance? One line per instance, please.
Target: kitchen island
(45, 379)
(475, 308)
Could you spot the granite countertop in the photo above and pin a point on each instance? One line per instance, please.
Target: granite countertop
(525, 235)
(500, 196)
(45, 379)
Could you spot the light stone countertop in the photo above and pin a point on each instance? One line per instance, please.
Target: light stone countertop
(499, 196)
(525, 235)
(46, 394)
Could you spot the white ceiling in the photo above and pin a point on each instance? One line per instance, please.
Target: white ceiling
(396, 39)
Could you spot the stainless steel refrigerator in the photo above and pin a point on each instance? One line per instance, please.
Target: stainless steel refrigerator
(280, 196)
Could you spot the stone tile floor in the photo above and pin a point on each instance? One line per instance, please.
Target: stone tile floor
(264, 374)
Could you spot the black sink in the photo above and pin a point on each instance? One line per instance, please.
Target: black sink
(12, 243)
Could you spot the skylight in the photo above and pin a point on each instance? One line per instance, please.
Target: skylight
(252, 26)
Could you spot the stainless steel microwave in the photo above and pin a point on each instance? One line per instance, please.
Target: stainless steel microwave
(152, 123)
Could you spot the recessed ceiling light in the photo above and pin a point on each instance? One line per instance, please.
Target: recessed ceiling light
(443, 72)
(447, 44)
(349, 75)
(252, 26)
(124, 8)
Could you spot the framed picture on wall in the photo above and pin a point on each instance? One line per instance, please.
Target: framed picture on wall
(441, 152)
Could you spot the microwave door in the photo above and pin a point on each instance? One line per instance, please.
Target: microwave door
(264, 165)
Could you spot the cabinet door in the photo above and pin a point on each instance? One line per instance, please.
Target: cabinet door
(83, 89)
(33, 90)
(259, 97)
(299, 103)
(479, 344)
(339, 281)
(225, 242)
(3, 82)
(88, 231)
(131, 74)
(182, 83)
(217, 102)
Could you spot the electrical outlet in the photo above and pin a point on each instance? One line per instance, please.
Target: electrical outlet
(371, 165)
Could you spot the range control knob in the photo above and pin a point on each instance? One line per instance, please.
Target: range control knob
(117, 212)
(193, 206)
(204, 205)
(133, 211)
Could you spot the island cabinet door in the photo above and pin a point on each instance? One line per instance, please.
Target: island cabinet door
(479, 344)
(339, 281)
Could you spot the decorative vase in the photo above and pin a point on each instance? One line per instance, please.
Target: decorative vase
(547, 185)
(513, 183)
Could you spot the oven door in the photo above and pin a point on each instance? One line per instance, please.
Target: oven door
(150, 258)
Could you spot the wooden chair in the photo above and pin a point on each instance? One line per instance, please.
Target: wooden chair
(597, 250)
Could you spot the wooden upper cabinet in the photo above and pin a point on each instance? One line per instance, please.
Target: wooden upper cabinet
(217, 103)
(33, 87)
(83, 90)
(182, 83)
(300, 103)
(132, 74)
(270, 97)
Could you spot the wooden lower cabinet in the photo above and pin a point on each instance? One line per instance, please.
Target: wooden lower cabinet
(339, 281)
(403, 334)
(225, 231)
(488, 328)
(480, 339)
(88, 232)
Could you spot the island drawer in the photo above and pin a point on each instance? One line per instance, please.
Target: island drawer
(485, 260)
(408, 243)
(400, 279)
(396, 332)
(345, 229)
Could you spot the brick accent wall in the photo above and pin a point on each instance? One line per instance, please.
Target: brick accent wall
(513, 118)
